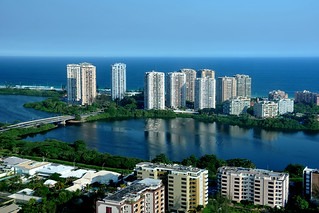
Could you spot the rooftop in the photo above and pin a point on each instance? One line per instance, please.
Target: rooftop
(171, 167)
(256, 172)
(32, 164)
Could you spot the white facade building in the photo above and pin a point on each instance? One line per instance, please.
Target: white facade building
(205, 93)
(266, 109)
(81, 83)
(176, 90)
(144, 196)
(118, 81)
(262, 187)
(236, 106)
(226, 89)
(285, 106)
(154, 90)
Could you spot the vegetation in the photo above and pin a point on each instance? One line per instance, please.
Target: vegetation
(31, 92)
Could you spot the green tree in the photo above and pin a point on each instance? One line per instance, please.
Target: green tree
(161, 158)
(295, 170)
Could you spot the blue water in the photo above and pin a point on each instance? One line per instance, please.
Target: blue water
(288, 74)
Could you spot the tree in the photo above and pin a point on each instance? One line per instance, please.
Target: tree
(161, 158)
(301, 203)
(240, 162)
(295, 170)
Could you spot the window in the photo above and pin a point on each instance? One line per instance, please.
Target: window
(108, 210)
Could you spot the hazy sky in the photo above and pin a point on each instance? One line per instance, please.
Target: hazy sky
(159, 28)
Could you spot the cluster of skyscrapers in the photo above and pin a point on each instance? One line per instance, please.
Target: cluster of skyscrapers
(174, 90)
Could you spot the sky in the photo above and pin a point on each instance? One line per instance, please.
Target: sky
(165, 28)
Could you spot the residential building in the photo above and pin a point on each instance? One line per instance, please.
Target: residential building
(236, 106)
(226, 88)
(277, 95)
(30, 167)
(144, 196)
(285, 105)
(118, 81)
(262, 187)
(190, 84)
(311, 184)
(186, 187)
(74, 83)
(154, 90)
(266, 109)
(88, 75)
(176, 90)
(243, 84)
(207, 73)
(81, 83)
(205, 93)
(307, 97)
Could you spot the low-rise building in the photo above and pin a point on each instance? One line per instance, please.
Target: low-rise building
(266, 109)
(187, 187)
(285, 106)
(262, 187)
(144, 196)
(236, 106)
(30, 167)
(311, 184)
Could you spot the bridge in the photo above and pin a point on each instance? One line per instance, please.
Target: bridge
(42, 121)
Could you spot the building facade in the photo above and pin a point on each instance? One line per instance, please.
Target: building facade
(207, 73)
(74, 83)
(262, 187)
(243, 84)
(285, 106)
(277, 95)
(81, 83)
(266, 109)
(307, 97)
(205, 93)
(187, 187)
(226, 88)
(236, 106)
(311, 184)
(118, 81)
(176, 90)
(154, 90)
(145, 196)
(190, 83)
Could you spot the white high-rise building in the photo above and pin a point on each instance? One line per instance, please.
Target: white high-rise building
(207, 73)
(176, 90)
(190, 83)
(266, 109)
(118, 81)
(285, 106)
(205, 93)
(81, 83)
(154, 90)
(236, 106)
(74, 83)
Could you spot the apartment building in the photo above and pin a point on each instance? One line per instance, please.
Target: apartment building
(176, 90)
(226, 88)
(277, 95)
(144, 196)
(311, 184)
(205, 93)
(266, 109)
(307, 97)
(236, 106)
(190, 83)
(285, 106)
(243, 84)
(81, 83)
(118, 81)
(262, 187)
(186, 187)
(154, 90)
(207, 73)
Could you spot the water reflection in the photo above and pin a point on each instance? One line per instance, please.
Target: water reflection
(265, 135)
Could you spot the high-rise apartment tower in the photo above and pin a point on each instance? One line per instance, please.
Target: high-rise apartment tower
(226, 88)
(118, 81)
(190, 84)
(154, 90)
(176, 90)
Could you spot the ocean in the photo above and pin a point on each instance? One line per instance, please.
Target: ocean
(287, 74)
